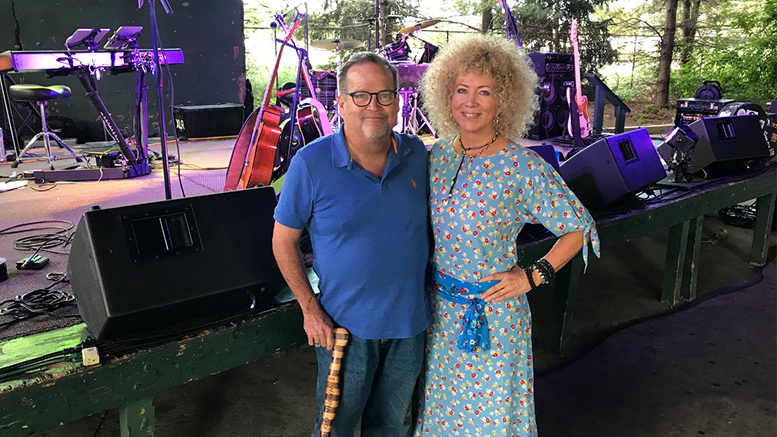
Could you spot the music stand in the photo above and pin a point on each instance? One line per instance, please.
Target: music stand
(125, 36)
(87, 37)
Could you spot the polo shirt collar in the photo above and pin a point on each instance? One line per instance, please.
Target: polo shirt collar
(342, 158)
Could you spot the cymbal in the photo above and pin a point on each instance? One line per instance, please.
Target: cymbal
(337, 44)
(418, 26)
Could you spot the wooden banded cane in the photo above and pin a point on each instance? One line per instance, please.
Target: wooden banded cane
(332, 398)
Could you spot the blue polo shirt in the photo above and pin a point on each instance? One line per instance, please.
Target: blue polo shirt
(369, 234)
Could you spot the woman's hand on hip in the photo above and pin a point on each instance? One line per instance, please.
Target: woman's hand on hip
(511, 283)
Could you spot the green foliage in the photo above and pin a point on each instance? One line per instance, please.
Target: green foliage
(257, 14)
(546, 23)
(746, 66)
(474, 7)
(355, 19)
(638, 86)
(736, 44)
(259, 75)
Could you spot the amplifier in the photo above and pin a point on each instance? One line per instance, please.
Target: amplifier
(690, 110)
(206, 121)
(552, 63)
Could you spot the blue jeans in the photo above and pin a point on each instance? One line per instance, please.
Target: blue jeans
(376, 385)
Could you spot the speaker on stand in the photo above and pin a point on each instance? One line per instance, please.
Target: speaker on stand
(555, 71)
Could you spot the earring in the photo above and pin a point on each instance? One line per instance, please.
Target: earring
(496, 123)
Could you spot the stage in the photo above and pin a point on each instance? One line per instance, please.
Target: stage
(654, 258)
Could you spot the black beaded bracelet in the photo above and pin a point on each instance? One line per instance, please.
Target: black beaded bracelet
(542, 275)
(545, 269)
(530, 277)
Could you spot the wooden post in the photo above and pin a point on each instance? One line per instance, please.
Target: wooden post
(764, 214)
(691, 260)
(676, 247)
(620, 119)
(137, 418)
(599, 102)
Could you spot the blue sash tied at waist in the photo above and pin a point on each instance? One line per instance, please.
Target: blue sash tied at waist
(474, 326)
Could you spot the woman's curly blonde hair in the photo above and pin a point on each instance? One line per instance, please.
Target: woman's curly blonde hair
(499, 58)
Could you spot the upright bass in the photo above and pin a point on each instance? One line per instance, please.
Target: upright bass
(253, 157)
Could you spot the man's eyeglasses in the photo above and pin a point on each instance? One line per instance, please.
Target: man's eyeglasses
(363, 98)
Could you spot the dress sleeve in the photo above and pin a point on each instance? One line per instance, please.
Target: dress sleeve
(548, 201)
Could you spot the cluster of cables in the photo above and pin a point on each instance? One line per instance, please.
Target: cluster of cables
(42, 301)
(742, 216)
(57, 235)
(72, 354)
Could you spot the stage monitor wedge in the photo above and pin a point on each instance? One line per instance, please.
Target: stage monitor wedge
(613, 167)
(724, 144)
(732, 138)
(164, 267)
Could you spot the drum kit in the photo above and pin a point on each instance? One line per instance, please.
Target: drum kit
(410, 118)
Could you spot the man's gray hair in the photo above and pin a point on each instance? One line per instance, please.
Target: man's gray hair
(364, 58)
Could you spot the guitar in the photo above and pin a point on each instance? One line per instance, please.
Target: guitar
(305, 128)
(253, 157)
(294, 136)
(581, 100)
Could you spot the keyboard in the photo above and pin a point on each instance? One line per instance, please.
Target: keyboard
(47, 60)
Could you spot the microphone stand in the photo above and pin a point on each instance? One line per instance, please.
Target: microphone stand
(377, 24)
(159, 94)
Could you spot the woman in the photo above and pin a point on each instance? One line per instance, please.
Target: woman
(484, 187)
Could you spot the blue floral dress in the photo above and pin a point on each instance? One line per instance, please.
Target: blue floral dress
(488, 391)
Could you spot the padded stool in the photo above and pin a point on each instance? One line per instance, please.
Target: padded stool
(41, 95)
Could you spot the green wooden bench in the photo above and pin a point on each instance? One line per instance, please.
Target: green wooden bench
(684, 217)
(66, 391)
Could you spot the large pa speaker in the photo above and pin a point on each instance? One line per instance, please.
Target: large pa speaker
(556, 73)
(551, 118)
(613, 167)
(163, 267)
(724, 144)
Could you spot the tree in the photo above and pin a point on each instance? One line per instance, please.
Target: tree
(667, 50)
(690, 19)
(545, 23)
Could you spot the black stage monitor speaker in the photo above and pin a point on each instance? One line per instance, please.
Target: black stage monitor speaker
(163, 267)
(613, 167)
(723, 143)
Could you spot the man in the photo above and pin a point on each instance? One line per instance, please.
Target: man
(361, 193)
